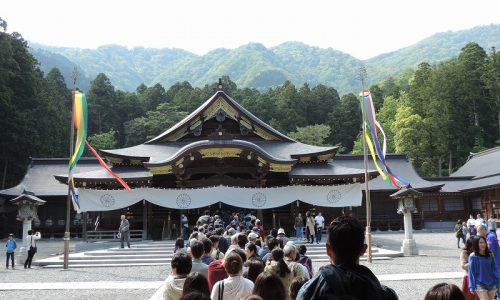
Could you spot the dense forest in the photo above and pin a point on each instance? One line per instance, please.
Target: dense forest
(438, 113)
(253, 65)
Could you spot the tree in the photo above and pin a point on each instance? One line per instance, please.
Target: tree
(346, 122)
(311, 134)
(105, 140)
(101, 102)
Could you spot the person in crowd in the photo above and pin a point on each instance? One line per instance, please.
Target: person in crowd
(278, 267)
(260, 226)
(195, 282)
(482, 230)
(235, 286)
(492, 224)
(265, 248)
(493, 246)
(184, 227)
(282, 236)
(484, 276)
(471, 224)
(179, 246)
(223, 243)
(480, 221)
(204, 219)
(295, 286)
(459, 232)
(297, 269)
(195, 296)
(32, 247)
(10, 248)
(299, 227)
(464, 262)
(242, 240)
(201, 233)
(270, 287)
(253, 238)
(465, 230)
(124, 231)
(207, 258)
(305, 260)
(271, 245)
(310, 227)
(444, 291)
(254, 268)
(344, 277)
(251, 252)
(274, 232)
(320, 224)
(181, 266)
(196, 254)
(216, 253)
(235, 222)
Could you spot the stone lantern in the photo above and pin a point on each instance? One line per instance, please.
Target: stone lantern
(407, 205)
(27, 212)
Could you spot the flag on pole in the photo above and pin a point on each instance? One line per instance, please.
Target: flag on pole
(80, 123)
(371, 137)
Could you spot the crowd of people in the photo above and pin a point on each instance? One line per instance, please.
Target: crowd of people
(479, 258)
(239, 261)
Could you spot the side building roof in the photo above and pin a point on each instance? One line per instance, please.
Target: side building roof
(482, 168)
(399, 164)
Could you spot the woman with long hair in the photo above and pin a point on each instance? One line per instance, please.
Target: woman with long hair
(464, 262)
(235, 286)
(269, 287)
(278, 267)
(484, 277)
(254, 268)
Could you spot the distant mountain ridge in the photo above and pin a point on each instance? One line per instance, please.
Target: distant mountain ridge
(254, 65)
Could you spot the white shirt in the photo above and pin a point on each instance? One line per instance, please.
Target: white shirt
(320, 221)
(471, 222)
(235, 287)
(479, 221)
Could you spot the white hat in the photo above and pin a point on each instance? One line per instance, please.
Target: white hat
(281, 231)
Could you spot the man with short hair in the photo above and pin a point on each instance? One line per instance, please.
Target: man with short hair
(320, 224)
(124, 231)
(207, 251)
(196, 253)
(181, 266)
(344, 277)
(10, 247)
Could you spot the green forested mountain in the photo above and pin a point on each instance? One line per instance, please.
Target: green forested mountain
(256, 66)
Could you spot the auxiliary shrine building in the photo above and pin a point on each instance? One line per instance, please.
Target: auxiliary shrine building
(223, 158)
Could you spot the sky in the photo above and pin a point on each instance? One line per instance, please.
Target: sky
(361, 28)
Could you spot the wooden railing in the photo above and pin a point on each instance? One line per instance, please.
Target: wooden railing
(110, 235)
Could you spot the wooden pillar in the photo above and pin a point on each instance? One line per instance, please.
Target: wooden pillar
(84, 226)
(260, 216)
(144, 220)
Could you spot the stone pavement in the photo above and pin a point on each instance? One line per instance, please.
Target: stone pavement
(410, 277)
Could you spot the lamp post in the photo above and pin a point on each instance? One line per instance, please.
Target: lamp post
(406, 205)
(27, 212)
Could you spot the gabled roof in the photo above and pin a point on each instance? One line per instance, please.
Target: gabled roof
(158, 153)
(220, 101)
(483, 168)
(399, 164)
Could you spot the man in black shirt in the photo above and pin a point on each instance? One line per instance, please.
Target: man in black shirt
(344, 277)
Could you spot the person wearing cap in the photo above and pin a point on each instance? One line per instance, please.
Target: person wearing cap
(10, 247)
(282, 236)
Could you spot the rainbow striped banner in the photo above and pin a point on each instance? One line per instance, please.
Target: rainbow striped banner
(372, 140)
(80, 122)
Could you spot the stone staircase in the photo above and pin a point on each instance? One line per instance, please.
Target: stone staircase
(160, 253)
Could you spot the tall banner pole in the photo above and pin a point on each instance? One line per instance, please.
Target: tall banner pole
(67, 235)
(362, 76)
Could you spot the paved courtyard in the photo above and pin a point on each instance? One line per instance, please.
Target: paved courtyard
(410, 277)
